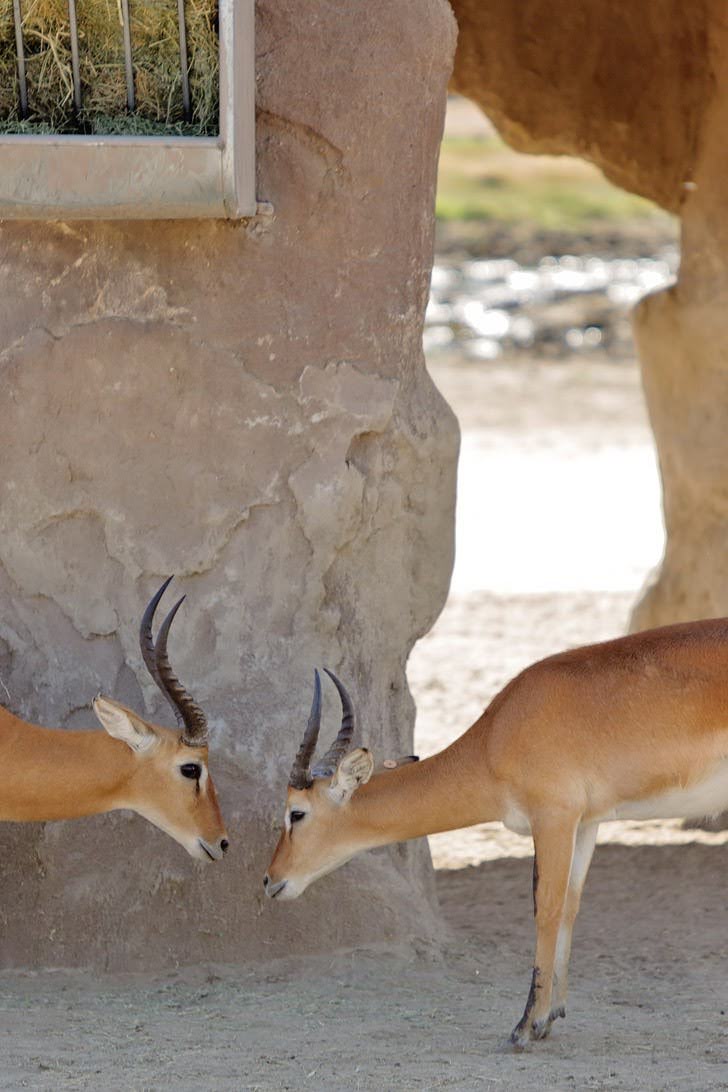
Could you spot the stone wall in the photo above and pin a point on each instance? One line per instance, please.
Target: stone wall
(245, 405)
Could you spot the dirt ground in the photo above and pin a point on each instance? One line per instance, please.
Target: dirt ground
(649, 995)
(647, 1006)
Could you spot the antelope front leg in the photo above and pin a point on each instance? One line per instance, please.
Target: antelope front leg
(553, 840)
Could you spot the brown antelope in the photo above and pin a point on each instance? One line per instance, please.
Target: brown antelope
(635, 728)
(159, 773)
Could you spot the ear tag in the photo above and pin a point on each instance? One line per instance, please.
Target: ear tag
(390, 764)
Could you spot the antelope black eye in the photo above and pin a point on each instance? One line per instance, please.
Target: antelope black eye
(191, 770)
(297, 816)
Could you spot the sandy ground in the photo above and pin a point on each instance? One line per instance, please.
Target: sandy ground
(649, 996)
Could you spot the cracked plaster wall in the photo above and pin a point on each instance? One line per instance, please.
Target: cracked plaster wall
(246, 406)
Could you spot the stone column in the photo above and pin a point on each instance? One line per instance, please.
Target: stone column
(245, 405)
(682, 336)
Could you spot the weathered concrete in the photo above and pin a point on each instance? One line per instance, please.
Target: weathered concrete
(642, 91)
(245, 406)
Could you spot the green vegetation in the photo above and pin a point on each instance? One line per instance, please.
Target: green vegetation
(482, 179)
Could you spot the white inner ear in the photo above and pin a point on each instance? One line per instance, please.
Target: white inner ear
(354, 770)
(122, 724)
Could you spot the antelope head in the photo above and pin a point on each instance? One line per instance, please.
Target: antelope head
(169, 783)
(322, 826)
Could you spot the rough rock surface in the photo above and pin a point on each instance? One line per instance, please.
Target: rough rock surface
(641, 90)
(246, 406)
(682, 334)
(621, 84)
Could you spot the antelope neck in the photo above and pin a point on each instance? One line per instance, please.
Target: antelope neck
(51, 773)
(444, 792)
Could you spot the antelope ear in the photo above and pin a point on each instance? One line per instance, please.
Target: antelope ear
(354, 770)
(122, 724)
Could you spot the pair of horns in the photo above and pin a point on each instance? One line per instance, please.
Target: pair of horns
(302, 774)
(190, 717)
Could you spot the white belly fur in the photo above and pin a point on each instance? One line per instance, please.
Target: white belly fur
(698, 801)
(704, 798)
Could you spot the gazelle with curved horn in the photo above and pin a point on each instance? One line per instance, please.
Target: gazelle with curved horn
(302, 776)
(634, 728)
(160, 773)
(190, 718)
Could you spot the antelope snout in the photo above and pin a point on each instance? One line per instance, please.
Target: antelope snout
(214, 850)
(272, 889)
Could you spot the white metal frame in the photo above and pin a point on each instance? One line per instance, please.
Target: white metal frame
(146, 178)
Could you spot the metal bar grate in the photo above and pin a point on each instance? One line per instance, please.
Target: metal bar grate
(24, 59)
(75, 65)
(20, 51)
(183, 61)
(128, 59)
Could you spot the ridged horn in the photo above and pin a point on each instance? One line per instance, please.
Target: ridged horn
(326, 766)
(300, 776)
(146, 640)
(190, 717)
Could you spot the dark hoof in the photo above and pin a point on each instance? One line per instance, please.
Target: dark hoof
(516, 1042)
(541, 1029)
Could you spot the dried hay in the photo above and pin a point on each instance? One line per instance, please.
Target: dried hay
(155, 48)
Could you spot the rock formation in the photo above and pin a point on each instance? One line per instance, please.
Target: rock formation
(640, 90)
(244, 405)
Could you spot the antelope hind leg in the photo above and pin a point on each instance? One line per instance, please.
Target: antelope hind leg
(553, 839)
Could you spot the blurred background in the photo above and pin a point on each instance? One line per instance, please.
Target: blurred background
(538, 262)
